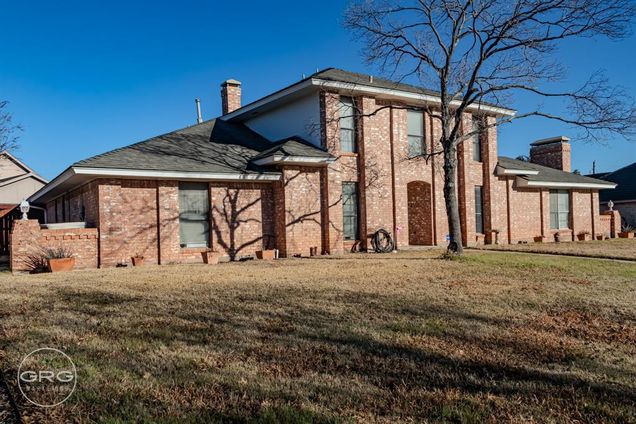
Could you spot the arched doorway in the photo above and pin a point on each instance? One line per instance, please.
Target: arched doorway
(420, 215)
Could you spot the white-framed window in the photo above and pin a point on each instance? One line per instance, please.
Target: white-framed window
(350, 210)
(194, 211)
(415, 130)
(347, 125)
(476, 138)
(559, 209)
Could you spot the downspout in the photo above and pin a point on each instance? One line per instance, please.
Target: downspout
(391, 127)
(592, 214)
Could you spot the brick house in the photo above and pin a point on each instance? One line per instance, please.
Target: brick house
(323, 163)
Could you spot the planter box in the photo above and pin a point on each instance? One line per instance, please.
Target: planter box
(267, 255)
(600, 237)
(540, 239)
(584, 237)
(625, 234)
(61, 264)
(210, 258)
(137, 261)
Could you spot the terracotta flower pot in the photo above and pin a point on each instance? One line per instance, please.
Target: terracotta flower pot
(626, 234)
(267, 255)
(600, 237)
(583, 237)
(137, 261)
(61, 264)
(540, 239)
(210, 258)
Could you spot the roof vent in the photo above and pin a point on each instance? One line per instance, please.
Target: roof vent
(371, 79)
(199, 117)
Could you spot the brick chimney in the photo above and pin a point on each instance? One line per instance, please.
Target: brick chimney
(230, 96)
(553, 152)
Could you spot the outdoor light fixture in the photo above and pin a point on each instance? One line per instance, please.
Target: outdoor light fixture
(24, 208)
(610, 205)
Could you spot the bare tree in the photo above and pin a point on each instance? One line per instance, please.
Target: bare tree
(477, 52)
(8, 130)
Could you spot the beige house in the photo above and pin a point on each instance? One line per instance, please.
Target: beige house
(17, 182)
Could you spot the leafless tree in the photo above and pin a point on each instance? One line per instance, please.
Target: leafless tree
(485, 51)
(8, 130)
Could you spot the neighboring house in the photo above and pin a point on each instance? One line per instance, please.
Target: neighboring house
(624, 196)
(296, 170)
(17, 183)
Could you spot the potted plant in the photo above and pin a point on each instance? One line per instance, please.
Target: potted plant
(266, 254)
(210, 257)
(540, 239)
(59, 259)
(137, 260)
(627, 231)
(600, 236)
(583, 236)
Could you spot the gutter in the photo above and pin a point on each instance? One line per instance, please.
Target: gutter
(86, 174)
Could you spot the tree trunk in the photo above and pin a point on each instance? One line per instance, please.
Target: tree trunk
(450, 196)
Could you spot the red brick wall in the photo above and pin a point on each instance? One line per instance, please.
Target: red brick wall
(27, 239)
(298, 211)
(555, 155)
(238, 224)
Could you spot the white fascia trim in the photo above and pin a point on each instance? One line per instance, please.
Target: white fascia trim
(559, 184)
(175, 175)
(307, 160)
(272, 97)
(406, 95)
(142, 173)
(507, 171)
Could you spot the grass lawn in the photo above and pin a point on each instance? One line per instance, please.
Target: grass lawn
(612, 248)
(399, 337)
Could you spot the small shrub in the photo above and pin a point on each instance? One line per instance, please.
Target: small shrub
(626, 228)
(57, 253)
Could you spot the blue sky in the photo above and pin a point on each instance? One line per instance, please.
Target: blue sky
(84, 77)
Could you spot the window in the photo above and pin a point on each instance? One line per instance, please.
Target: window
(476, 139)
(194, 208)
(415, 129)
(559, 209)
(347, 125)
(350, 210)
(479, 208)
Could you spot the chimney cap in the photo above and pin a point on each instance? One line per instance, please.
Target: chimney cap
(558, 139)
(230, 82)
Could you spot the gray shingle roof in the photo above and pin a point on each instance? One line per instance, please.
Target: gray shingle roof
(293, 146)
(546, 174)
(625, 178)
(213, 146)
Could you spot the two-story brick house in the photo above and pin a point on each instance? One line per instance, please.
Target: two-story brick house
(321, 163)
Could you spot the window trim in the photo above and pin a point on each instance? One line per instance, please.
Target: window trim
(422, 137)
(205, 187)
(558, 212)
(479, 222)
(355, 216)
(476, 139)
(348, 102)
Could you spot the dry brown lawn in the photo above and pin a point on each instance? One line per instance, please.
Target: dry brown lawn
(367, 338)
(612, 248)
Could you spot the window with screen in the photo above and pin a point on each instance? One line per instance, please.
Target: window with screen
(479, 210)
(347, 125)
(559, 209)
(350, 210)
(194, 210)
(476, 139)
(415, 129)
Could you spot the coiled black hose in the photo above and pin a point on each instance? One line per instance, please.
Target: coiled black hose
(382, 242)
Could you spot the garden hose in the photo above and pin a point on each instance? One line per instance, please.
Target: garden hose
(382, 241)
